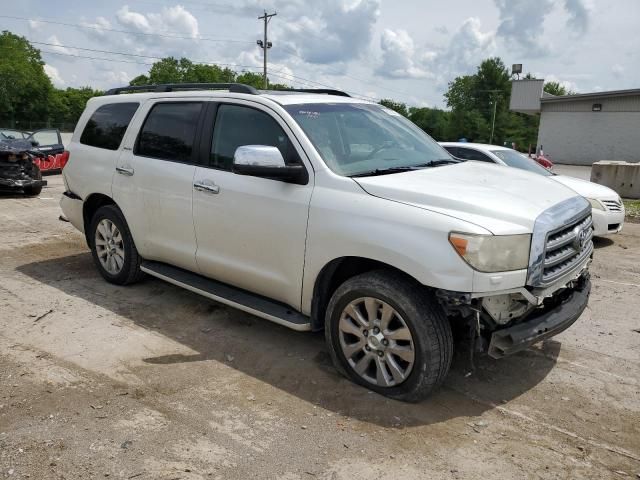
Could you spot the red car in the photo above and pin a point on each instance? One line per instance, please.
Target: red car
(540, 157)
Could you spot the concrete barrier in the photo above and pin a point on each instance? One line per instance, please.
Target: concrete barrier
(623, 177)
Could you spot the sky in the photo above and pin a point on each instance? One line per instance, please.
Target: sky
(406, 50)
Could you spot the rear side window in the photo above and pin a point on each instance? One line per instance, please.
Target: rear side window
(169, 131)
(107, 125)
(470, 154)
(237, 126)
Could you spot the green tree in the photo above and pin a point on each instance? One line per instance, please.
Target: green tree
(66, 106)
(25, 88)
(432, 120)
(399, 107)
(557, 89)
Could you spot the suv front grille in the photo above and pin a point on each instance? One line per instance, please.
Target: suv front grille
(565, 249)
(613, 205)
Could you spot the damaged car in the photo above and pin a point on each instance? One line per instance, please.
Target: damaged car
(18, 169)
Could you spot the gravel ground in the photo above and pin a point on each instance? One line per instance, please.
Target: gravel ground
(154, 382)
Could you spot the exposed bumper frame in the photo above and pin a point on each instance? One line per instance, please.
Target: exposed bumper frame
(544, 325)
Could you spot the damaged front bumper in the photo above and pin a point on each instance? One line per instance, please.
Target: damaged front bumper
(508, 321)
(15, 184)
(543, 324)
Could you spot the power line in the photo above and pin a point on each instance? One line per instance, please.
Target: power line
(99, 28)
(178, 37)
(278, 73)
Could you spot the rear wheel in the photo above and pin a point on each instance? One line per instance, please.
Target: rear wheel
(114, 253)
(390, 335)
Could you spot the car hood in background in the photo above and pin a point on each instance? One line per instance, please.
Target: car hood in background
(586, 188)
(501, 200)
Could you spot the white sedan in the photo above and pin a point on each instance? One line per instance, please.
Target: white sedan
(607, 207)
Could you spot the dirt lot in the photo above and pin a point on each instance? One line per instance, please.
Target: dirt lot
(153, 382)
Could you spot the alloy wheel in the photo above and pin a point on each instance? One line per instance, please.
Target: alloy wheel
(376, 342)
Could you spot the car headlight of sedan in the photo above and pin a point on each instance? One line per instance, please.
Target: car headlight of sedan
(596, 204)
(493, 253)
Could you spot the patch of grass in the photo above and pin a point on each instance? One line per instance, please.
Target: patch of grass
(632, 208)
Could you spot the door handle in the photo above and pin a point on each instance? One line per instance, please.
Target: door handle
(207, 188)
(127, 171)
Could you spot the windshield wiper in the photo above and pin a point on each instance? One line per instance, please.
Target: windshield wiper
(385, 171)
(442, 161)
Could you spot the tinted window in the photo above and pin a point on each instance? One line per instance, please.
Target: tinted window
(237, 126)
(518, 160)
(107, 125)
(452, 150)
(169, 131)
(469, 154)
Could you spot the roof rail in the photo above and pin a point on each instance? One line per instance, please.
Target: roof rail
(327, 91)
(170, 87)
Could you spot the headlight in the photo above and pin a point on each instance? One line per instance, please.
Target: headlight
(595, 203)
(493, 253)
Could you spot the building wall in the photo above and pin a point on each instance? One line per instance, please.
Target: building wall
(525, 95)
(571, 133)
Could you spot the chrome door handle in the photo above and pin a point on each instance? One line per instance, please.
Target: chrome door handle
(207, 188)
(127, 171)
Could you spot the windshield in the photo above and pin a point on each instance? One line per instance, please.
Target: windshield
(359, 139)
(518, 160)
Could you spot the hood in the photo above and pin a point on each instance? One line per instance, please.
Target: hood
(500, 199)
(586, 188)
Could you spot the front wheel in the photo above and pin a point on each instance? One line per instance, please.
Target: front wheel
(387, 333)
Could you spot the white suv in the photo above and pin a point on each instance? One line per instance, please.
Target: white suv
(323, 212)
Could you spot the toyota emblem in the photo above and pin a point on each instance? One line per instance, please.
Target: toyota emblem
(580, 239)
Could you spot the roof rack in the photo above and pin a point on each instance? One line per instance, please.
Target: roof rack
(170, 87)
(232, 87)
(327, 91)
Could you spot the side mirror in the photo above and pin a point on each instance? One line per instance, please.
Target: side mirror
(267, 162)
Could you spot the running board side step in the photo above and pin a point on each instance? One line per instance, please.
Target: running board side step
(232, 296)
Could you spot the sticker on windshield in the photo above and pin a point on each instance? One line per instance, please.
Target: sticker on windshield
(309, 113)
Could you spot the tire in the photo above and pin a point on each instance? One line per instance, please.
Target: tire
(124, 267)
(32, 191)
(415, 312)
(36, 174)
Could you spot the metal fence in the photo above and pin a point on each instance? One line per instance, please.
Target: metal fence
(31, 126)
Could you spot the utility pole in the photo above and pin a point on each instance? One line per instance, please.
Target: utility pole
(265, 44)
(493, 121)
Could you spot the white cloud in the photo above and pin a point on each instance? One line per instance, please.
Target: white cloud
(54, 75)
(468, 46)
(618, 70)
(578, 15)
(327, 32)
(522, 25)
(171, 20)
(56, 46)
(398, 53)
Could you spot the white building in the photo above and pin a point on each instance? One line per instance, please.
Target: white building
(584, 128)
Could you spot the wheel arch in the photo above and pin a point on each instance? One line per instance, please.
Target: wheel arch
(90, 206)
(334, 274)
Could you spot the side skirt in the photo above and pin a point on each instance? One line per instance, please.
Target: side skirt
(234, 297)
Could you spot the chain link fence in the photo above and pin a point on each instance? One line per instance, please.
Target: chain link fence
(31, 125)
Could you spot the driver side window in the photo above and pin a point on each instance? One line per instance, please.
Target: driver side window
(237, 126)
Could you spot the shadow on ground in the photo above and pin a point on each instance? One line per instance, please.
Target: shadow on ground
(601, 242)
(296, 363)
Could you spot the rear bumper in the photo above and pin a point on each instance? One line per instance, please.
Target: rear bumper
(543, 325)
(71, 206)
